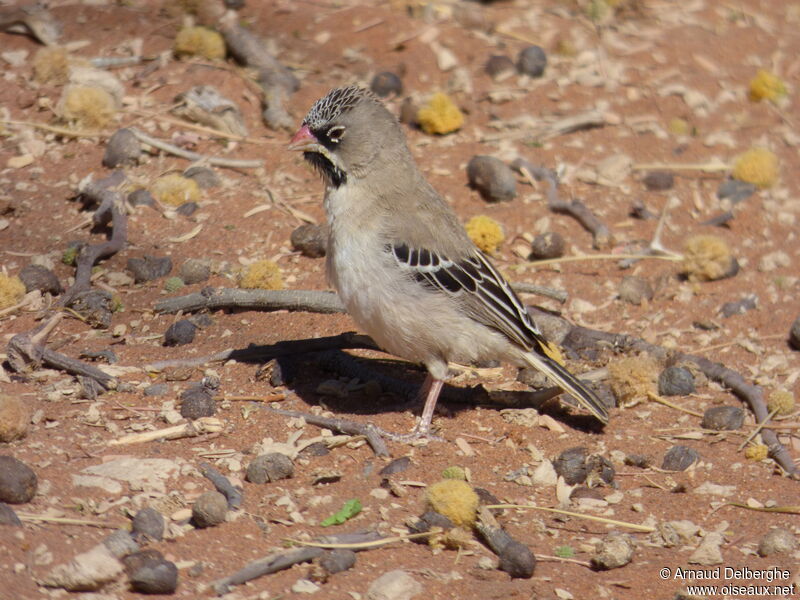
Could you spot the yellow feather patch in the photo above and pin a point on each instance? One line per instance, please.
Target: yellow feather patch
(553, 352)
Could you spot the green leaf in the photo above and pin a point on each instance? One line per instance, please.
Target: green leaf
(349, 510)
(565, 552)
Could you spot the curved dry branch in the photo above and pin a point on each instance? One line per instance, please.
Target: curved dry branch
(211, 298)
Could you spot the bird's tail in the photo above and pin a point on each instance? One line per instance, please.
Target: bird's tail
(568, 382)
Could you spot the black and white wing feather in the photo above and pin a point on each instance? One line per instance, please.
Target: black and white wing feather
(488, 298)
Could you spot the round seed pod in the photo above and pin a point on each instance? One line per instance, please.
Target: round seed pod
(723, 418)
(386, 84)
(492, 178)
(499, 67)
(547, 245)
(270, 467)
(209, 509)
(532, 61)
(18, 482)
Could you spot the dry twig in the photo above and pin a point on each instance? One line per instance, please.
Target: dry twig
(369, 431)
(600, 233)
(234, 163)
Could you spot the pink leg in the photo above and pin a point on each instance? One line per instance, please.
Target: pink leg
(430, 389)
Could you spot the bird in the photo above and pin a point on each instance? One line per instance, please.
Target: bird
(403, 265)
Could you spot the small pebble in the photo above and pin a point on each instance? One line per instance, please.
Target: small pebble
(499, 66)
(194, 270)
(95, 306)
(641, 461)
(336, 561)
(202, 320)
(209, 509)
(778, 540)
(196, 402)
(547, 245)
(635, 290)
(492, 178)
(794, 334)
(735, 190)
(270, 467)
(394, 585)
(8, 516)
(571, 465)
(658, 181)
(148, 523)
(398, 465)
(156, 389)
(386, 84)
(614, 551)
(148, 268)
(679, 458)
(187, 208)
(141, 197)
(122, 148)
(723, 418)
(180, 333)
(428, 520)
(150, 573)
(599, 467)
(676, 381)
(206, 178)
(18, 482)
(315, 449)
(310, 240)
(739, 307)
(37, 277)
(14, 418)
(517, 560)
(532, 61)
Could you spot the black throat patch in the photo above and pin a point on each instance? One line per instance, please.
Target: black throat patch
(332, 175)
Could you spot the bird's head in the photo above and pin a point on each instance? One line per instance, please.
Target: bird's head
(344, 132)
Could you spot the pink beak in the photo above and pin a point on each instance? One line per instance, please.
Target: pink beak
(303, 139)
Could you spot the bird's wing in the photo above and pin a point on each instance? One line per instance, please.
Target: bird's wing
(488, 298)
(476, 285)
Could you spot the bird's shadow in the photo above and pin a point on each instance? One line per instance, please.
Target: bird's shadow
(321, 373)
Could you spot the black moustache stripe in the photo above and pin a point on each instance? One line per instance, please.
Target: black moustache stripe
(332, 175)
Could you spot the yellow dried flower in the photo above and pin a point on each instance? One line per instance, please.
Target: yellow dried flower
(756, 452)
(86, 106)
(440, 115)
(199, 41)
(781, 402)
(11, 290)
(262, 274)
(758, 166)
(51, 65)
(174, 190)
(456, 500)
(485, 233)
(632, 379)
(766, 86)
(707, 258)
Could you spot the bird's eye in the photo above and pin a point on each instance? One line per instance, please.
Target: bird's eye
(336, 133)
